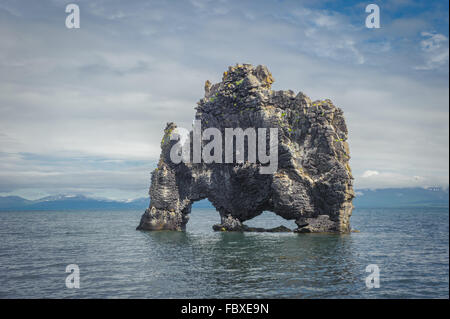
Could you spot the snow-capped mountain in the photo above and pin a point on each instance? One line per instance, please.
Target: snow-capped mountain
(70, 202)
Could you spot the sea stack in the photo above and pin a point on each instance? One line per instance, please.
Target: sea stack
(312, 183)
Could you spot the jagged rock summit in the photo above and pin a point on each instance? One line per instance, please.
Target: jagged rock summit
(312, 184)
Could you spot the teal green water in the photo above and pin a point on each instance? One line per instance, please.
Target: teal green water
(410, 247)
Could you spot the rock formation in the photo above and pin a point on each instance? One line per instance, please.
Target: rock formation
(313, 184)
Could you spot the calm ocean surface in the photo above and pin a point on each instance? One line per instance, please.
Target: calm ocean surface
(410, 246)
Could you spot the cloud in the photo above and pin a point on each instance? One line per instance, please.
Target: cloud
(435, 51)
(72, 102)
(375, 179)
(369, 173)
(34, 175)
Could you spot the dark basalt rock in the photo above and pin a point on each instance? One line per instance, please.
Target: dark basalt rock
(313, 184)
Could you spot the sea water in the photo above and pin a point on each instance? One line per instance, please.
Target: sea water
(410, 247)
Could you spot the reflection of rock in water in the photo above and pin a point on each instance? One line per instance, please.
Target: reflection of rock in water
(313, 183)
(279, 229)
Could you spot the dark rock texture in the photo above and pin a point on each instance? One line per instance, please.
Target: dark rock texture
(313, 184)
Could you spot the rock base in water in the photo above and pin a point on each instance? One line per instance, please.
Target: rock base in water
(245, 228)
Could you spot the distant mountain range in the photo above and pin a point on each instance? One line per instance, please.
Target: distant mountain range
(402, 197)
(388, 197)
(70, 202)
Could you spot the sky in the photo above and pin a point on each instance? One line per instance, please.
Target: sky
(82, 111)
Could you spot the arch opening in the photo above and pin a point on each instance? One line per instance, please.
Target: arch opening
(203, 215)
(270, 220)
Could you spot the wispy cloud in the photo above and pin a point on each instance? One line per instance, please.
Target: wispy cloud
(103, 93)
(435, 51)
(375, 179)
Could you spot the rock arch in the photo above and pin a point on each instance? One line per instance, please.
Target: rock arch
(313, 184)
